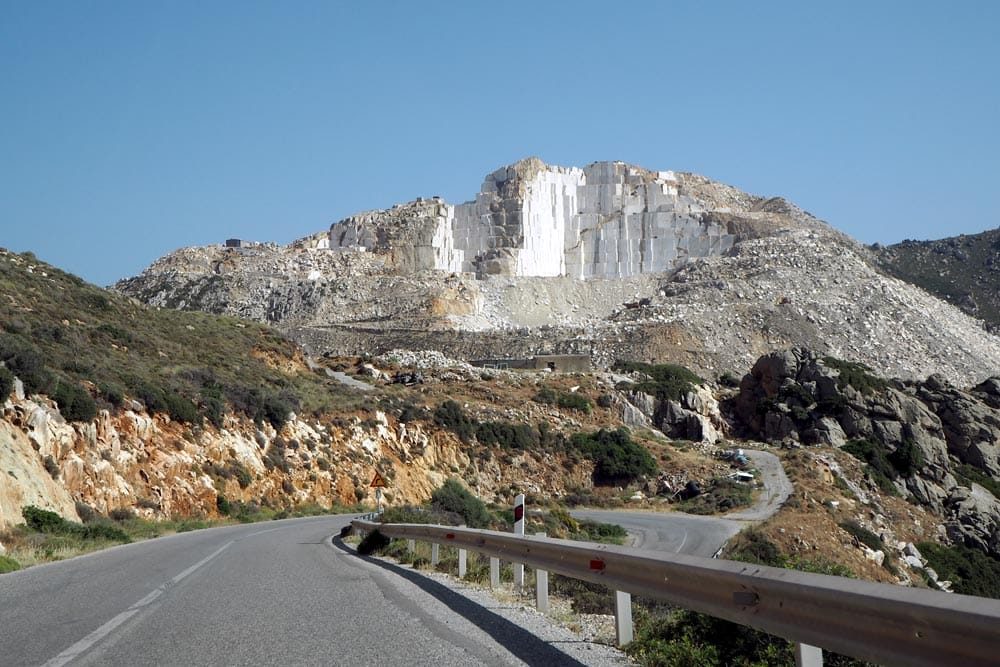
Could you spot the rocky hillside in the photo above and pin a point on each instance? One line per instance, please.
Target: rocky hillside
(107, 404)
(675, 268)
(879, 466)
(963, 270)
(927, 441)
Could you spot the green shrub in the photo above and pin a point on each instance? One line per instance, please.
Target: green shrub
(75, 403)
(506, 435)
(8, 564)
(276, 408)
(970, 571)
(722, 495)
(753, 546)
(111, 392)
(242, 474)
(181, 409)
(410, 412)
(875, 455)
(545, 395)
(25, 361)
(6, 383)
(668, 382)
(104, 531)
(907, 458)
(451, 416)
(574, 401)
(857, 375)
(870, 540)
(605, 533)
(585, 597)
(453, 497)
(617, 458)
(152, 397)
(43, 521)
(697, 640)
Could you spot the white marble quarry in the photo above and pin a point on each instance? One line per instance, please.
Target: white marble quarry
(608, 220)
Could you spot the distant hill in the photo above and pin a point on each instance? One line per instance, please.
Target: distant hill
(963, 270)
(59, 331)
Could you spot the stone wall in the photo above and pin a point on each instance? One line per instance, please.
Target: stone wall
(609, 220)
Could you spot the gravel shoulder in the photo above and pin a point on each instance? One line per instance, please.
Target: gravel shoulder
(582, 638)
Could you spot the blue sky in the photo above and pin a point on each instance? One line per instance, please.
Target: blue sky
(130, 129)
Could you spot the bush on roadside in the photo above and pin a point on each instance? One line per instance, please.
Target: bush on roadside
(453, 497)
(8, 564)
(617, 458)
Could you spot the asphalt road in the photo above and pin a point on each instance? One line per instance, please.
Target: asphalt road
(698, 535)
(668, 531)
(279, 593)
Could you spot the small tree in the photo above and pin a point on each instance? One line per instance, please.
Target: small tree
(617, 458)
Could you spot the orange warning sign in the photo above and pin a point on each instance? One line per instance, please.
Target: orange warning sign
(378, 481)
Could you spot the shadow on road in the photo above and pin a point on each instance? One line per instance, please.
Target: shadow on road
(523, 644)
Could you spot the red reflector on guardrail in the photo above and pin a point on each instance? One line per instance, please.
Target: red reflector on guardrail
(597, 564)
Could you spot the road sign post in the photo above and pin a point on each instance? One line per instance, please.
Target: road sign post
(378, 483)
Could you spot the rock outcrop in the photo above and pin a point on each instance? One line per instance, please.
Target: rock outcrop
(927, 440)
(160, 469)
(609, 220)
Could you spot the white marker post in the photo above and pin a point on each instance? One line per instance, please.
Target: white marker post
(518, 530)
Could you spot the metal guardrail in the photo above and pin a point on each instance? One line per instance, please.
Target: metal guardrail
(883, 623)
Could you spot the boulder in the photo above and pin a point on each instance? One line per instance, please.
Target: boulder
(973, 519)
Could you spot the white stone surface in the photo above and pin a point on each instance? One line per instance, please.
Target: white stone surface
(609, 220)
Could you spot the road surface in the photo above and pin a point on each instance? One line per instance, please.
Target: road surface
(677, 532)
(278, 593)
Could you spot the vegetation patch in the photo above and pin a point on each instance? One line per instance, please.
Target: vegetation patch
(879, 466)
(187, 365)
(970, 571)
(722, 495)
(617, 458)
(668, 382)
(857, 375)
(969, 473)
(454, 498)
(8, 564)
(563, 399)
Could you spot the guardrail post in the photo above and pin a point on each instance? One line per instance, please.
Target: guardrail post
(623, 617)
(519, 530)
(411, 545)
(494, 572)
(808, 656)
(435, 553)
(541, 587)
(462, 563)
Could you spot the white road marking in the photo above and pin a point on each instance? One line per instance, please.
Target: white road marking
(100, 633)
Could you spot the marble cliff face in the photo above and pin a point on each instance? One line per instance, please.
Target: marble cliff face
(608, 220)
